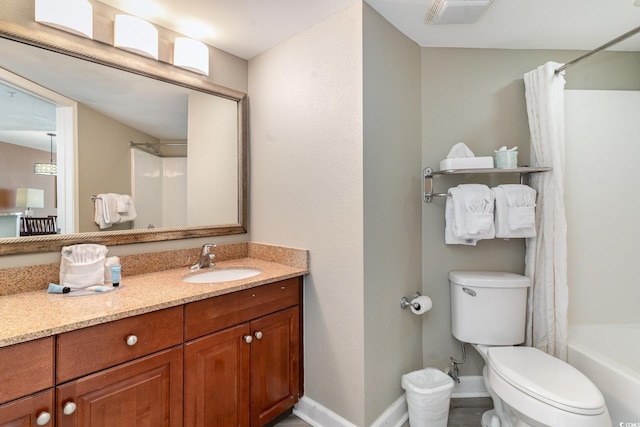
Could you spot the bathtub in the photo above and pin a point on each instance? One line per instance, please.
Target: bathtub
(609, 355)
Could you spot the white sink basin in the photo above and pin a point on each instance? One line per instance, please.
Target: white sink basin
(217, 276)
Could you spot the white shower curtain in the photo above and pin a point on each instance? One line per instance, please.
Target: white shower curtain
(546, 256)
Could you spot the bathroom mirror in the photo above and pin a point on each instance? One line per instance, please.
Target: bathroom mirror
(157, 79)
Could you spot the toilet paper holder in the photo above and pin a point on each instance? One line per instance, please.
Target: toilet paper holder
(404, 302)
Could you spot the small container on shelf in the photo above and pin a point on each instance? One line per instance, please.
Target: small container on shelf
(507, 159)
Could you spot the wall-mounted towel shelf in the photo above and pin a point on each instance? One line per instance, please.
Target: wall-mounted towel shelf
(429, 174)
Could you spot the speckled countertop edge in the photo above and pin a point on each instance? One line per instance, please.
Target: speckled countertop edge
(32, 315)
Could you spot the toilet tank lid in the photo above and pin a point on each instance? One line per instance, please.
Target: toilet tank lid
(489, 279)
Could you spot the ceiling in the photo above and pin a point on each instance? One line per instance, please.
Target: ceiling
(248, 27)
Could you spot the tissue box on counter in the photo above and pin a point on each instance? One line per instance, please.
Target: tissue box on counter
(466, 163)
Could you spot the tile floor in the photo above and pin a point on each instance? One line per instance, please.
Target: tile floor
(462, 413)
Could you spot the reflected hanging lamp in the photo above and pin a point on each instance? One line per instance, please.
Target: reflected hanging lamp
(46, 168)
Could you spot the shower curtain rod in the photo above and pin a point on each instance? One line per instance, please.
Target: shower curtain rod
(598, 49)
(154, 149)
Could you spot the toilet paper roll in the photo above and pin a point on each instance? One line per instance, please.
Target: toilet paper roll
(421, 304)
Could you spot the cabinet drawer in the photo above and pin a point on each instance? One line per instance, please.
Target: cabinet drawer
(97, 347)
(214, 314)
(26, 368)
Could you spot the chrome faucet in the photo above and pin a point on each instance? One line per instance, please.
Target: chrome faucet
(206, 258)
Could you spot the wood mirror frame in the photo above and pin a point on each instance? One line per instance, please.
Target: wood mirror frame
(83, 49)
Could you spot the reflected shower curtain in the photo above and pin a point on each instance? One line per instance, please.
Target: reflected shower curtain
(546, 255)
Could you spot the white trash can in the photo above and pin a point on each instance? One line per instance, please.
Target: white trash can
(428, 397)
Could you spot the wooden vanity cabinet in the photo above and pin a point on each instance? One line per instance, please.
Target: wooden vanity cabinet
(26, 389)
(230, 360)
(243, 358)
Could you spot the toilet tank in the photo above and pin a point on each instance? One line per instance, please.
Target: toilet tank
(488, 307)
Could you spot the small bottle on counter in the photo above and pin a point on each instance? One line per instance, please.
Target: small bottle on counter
(112, 271)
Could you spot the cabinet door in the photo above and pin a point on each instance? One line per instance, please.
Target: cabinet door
(32, 411)
(217, 379)
(275, 365)
(146, 392)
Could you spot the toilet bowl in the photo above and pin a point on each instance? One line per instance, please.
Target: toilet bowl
(528, 387)
(531, 388)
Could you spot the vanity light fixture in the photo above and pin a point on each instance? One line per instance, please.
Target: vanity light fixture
(46, 168)
(135, 35)
(191, 55)
(29, 198)
(72, 16)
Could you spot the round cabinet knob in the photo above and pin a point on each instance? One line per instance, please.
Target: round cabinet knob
(43, 418)
(69, 408)
(248, 339)
(132, 340)
(258, 335)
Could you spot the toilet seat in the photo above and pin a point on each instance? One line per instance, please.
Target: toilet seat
(547, 379)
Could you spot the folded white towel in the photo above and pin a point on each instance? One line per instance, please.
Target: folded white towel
(449, 217)
(473, 211)
(515, 215)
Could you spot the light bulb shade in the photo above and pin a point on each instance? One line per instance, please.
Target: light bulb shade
(191, 55)
(72, 16)
(45, 168)
(135, 35)
(30, 198)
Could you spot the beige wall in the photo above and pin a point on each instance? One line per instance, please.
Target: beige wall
(392, 210)
(307, 191)
(477, 96)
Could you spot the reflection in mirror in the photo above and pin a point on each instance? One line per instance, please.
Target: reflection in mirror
(177, 149)
(25, 121)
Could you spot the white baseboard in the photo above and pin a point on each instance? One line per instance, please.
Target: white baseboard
(469, 386)
(317, 415)
(395, 415)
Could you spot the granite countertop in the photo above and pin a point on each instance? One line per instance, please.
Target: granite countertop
(31, 315)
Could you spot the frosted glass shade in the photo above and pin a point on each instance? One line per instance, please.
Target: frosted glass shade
(191, 55)
(30, 198)
(45, 168)
(72, 16)
(135, 35)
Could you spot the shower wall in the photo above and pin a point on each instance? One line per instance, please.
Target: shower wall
(159, 188)
(602, 170)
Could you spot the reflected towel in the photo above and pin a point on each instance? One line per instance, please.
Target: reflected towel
(125, 207)
(106, 213)
(113, 208)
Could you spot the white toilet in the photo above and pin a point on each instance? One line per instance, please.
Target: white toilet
(528, 386)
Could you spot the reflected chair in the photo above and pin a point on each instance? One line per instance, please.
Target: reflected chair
(36, 226)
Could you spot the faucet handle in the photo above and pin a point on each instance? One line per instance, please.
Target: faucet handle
(206, 248)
